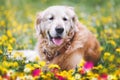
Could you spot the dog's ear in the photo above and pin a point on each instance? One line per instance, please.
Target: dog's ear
(72, 13)
(38, 23)
(69, 7)
(74, 18)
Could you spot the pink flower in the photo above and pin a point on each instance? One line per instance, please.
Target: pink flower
(88, 65)
(36, 72)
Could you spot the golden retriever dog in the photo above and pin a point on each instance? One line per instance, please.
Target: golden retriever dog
(63, 40)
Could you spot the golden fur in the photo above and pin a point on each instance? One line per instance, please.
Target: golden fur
(79, 44)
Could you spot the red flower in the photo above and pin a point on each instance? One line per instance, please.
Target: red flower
(82, 71)
(6, 77)
(36, 72)
(103, 76)
(60, 77)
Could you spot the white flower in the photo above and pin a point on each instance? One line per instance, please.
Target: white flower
(77, 76)
(27, 70)
(10, 72)
(28, 77)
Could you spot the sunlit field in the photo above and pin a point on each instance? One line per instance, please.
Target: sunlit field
(17, 21)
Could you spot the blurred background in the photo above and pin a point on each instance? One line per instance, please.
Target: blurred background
(17, 19)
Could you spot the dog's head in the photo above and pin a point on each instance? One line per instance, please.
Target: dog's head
(55, 24)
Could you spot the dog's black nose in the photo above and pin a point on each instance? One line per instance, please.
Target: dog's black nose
(59, 30)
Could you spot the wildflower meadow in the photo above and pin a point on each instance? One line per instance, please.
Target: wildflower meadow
(17, 22)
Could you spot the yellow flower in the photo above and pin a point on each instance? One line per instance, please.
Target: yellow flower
(112, 66)
(20, 74)
(89, 73)
(4, 70)
(106, 55)
(112, 77)
(5, 64)
(15, 64)
(71, 78)
(112, 42)
(104, 70)
(42, 63)
(16, 55)
(36, 65)
(37, 58)
(1, 52)
(106, 20)
(9, 48)
(12, 40)
(21, 54)
(70, 71)
(81, 63)
(4, 37)
(117, 72)
(29, 66)
(111, 58)
(2, 23)
(0, 77)
(118, 60)
(118, 50)
(100, 66)
(0, 41)
(67, 74)
(64, 73)
(97, 22)
(96, 75)
(48, 76)
(101, 48)
(9, 34)
(53, 66)
(44, 77)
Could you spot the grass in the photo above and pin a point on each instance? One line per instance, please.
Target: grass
(17, 20)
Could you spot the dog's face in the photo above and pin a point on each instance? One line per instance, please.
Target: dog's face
(55, 24)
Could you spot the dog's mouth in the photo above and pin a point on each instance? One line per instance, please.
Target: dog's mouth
(58, 40)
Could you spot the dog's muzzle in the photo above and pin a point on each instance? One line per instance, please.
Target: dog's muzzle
(57, 40)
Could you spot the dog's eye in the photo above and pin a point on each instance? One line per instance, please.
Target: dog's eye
(65, 19)
(51, 18)
(73, 19)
